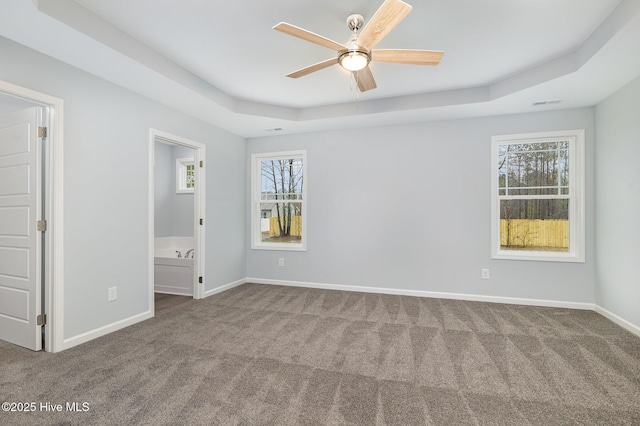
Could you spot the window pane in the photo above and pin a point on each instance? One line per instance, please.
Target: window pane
(542, 166)
(534, 225)
(563, 168)
(281, 222)
(281, 179)
(532, 168)
(190, 179)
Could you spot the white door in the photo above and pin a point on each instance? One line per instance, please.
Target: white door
(20, 241)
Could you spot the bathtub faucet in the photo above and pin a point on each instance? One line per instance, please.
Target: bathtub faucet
(190, 251)
(179, 254)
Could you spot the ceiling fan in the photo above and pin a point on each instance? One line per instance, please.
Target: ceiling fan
(358, 52)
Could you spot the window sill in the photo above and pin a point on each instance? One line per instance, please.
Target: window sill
(280, 247)
(538, 256)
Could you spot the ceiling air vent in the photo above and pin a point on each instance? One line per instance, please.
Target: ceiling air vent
(547, 102)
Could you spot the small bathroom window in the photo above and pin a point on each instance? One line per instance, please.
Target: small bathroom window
(185, 175)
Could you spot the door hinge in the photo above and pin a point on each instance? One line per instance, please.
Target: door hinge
(200, 280)
(42, 132)
(201, 163)
(41, 319)
(201, 221)
(41, 225)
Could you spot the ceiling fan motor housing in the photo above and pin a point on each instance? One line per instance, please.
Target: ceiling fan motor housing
(355, 22)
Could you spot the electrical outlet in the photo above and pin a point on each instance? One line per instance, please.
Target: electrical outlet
(485, 274)
(113, 293)
(281, 261)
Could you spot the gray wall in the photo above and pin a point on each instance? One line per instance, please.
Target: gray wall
(173, 211)
(618, 203)
(106, 191)
(408, 208)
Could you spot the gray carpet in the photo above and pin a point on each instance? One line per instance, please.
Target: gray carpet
(276, 355)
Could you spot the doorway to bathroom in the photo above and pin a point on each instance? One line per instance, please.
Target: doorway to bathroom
(177, 204)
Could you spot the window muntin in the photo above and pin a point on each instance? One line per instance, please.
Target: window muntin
(537, 196)
(278, 218)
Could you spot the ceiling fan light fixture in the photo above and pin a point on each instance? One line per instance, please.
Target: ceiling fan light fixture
(354, 60)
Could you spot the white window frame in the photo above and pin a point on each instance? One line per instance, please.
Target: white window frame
(181, 175)
(576, 197)
(256, 187)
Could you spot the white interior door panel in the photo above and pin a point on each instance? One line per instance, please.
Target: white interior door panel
(20, 244)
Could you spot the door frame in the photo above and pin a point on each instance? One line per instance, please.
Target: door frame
(52, 192)
(199, 195)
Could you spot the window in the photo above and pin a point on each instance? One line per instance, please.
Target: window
(278, 197)
(185, 175)
(538, 196)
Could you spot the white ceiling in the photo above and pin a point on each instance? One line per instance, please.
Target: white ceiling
(225, 64)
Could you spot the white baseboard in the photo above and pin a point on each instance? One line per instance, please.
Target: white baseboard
(224, 287)
(101, 331)
(434, 294)
(618, 320)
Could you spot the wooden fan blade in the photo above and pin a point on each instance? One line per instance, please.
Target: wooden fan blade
(308, 36)
(365, 79)
(384, 20)
(407, 56)
(313, 68)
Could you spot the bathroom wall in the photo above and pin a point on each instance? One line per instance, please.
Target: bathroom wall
(173, 211)
(162, 188)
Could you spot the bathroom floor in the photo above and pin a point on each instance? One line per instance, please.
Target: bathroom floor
(167, 301)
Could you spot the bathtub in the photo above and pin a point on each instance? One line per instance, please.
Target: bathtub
(173, 275)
